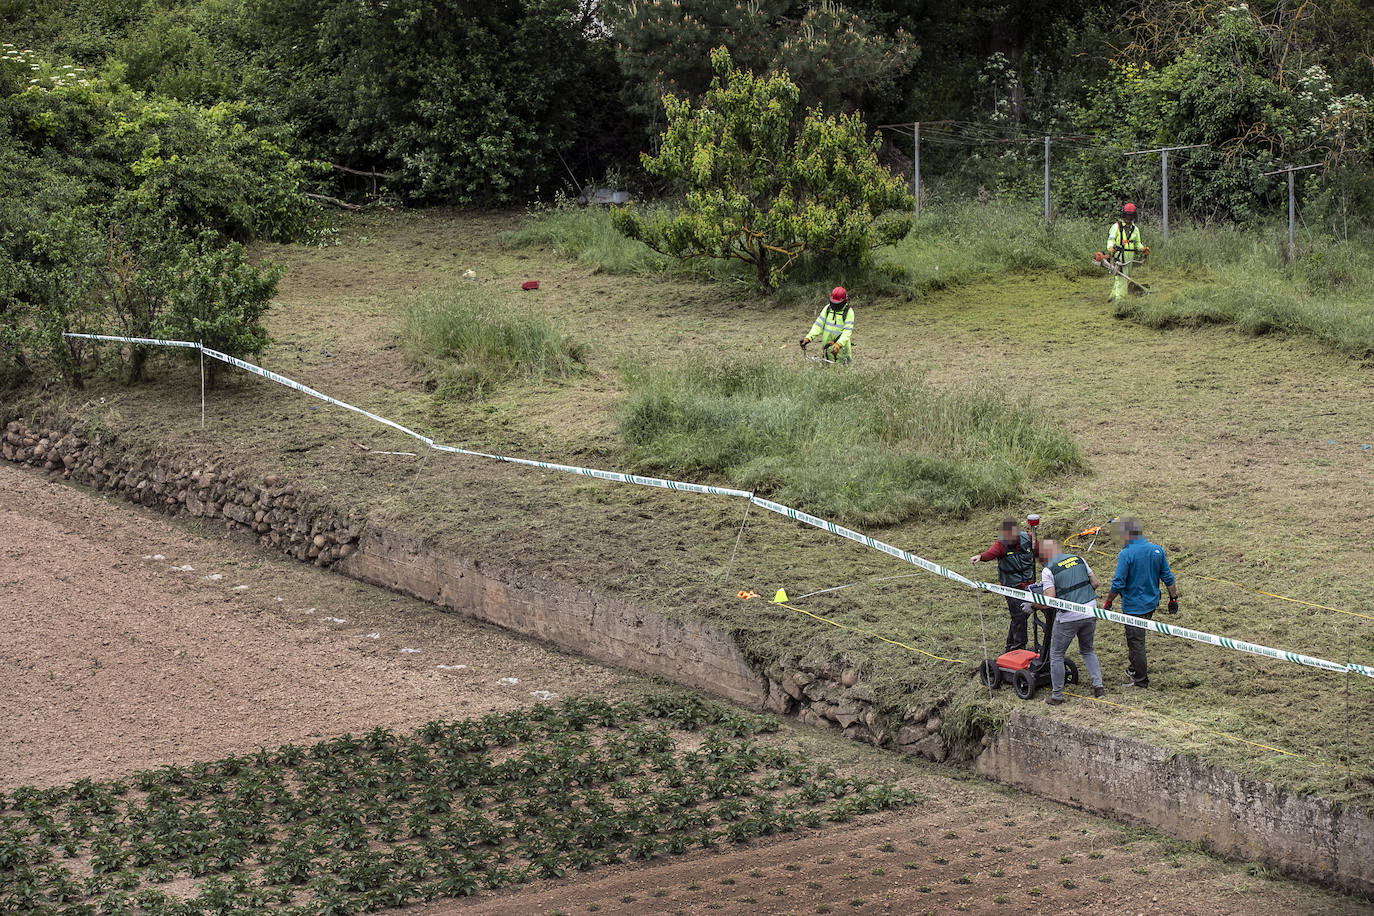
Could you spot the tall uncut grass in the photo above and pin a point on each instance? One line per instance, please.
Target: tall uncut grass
(1213, 274)
(1239, 281)
(585, 234)
(959, 243)
(468, 340)
(858, 445)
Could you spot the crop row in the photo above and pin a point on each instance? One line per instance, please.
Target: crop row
(361, 823)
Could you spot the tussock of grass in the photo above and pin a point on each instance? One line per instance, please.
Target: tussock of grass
(468, 340)
(1322, 297)
(956, 244)
(861, 446)
(586, 235)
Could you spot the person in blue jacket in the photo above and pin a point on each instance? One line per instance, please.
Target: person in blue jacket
(1140, 567)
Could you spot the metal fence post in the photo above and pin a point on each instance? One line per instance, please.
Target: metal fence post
(916, 166)
(1292, 245)
(1164, 176)
(1164, 152)
(1292, 203)
(1047, 181)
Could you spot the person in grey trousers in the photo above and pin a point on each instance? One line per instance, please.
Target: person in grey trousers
(1067, 576)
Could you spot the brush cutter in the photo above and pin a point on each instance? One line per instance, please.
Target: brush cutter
(1093, 532)
(1102, 260)
(825, 358)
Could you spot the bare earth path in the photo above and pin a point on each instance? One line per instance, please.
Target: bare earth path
(130, 642)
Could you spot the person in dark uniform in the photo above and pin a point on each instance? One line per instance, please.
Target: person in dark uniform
(1014, 552)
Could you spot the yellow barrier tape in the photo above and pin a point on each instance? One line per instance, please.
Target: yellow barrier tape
(861, 632)
(1147, 711)
(1193, 725)
(1283, 597)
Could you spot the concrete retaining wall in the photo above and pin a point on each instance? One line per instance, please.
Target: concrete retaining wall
(687, 652)
(1118, 777)
(1139, 783)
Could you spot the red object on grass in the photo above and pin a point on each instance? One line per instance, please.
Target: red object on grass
(530, 284)
(1017, 659)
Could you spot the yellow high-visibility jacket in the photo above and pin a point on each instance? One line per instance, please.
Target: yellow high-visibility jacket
(831, 325)
(1122, 245)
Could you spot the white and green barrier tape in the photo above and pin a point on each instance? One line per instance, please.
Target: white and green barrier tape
(149, 341)
(1168, 629)
(1165, 629)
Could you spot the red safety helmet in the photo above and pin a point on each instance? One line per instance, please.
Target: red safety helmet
(1128, 210)
(838, 296)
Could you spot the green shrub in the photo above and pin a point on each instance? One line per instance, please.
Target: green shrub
(468, 339)
(764, 184)
(117, 211)
(862, 446)
(219, 299)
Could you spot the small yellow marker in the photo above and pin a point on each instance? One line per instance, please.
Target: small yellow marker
(780, 597)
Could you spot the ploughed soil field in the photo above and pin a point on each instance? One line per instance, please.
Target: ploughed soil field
(136, 649)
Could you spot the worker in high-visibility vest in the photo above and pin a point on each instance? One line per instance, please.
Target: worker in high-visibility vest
(834, 327)
(1125, 250)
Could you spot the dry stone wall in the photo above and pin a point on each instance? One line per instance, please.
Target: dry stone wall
(284, 517)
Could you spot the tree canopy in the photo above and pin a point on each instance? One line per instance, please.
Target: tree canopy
(765, 184)
(497, 102)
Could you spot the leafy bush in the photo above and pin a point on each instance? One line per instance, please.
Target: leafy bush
(468, 340)
(117, 214)
(1232, 88)
(862, 446)
(764, 186)
(220, 300)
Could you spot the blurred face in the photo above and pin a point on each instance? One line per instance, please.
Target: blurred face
(1048, 550)
(1010, 535)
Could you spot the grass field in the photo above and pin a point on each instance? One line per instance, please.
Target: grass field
(1241, 454)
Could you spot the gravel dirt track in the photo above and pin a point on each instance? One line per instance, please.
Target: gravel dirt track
(132, 641)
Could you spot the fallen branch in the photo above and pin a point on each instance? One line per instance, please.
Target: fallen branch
(372, 174)
(334, 201)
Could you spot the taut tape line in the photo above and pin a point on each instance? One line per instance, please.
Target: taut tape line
(152, 342)
(1167, 629)
(786, 511)
(603, 475)
(306, 389)
(858, 538)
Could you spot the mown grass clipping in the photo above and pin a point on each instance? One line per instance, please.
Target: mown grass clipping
(469, 339)
(862, 446)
